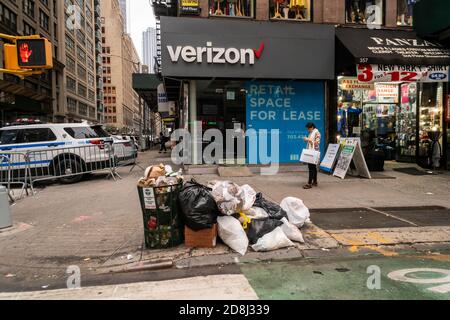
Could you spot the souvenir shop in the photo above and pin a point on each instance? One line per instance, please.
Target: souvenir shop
(392, 92)
(249, 75)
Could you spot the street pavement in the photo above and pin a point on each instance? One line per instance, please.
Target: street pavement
(96, 225)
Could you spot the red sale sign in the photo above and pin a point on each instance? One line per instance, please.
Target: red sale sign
(370, 73)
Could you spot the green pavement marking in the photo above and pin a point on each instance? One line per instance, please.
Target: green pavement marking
(347, 279)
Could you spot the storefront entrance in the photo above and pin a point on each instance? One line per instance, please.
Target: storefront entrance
(392, 88)
(404, 120)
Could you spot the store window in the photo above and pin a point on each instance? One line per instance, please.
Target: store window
(405, 12)
(232, 8)
(368, 12)
(296, 10)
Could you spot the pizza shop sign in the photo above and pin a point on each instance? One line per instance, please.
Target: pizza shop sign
(370, 73)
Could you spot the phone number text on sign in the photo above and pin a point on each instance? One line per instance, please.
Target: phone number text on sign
(370, 73)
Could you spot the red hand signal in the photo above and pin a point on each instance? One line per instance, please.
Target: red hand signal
(25, 53)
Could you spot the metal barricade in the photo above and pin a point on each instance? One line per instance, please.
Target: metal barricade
(69, 163)
(126, 154)
(14, 172)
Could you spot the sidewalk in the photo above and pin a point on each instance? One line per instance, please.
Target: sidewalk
(97, 224)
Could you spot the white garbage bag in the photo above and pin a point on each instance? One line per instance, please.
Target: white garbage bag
(296, 210)
(228, 196)
(249, 197)
(273, 241)
(232, 233)
(256, 213)
(291, 231)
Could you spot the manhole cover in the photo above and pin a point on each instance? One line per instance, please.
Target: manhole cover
(421, 216)
(353, 218)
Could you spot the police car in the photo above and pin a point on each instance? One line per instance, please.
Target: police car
(64, 150)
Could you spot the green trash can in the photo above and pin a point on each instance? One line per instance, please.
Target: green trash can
(163, 227)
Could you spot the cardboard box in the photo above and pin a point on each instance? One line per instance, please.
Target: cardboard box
(206, 238)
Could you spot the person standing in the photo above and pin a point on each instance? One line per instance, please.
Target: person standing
(162, 140)
(313, 143)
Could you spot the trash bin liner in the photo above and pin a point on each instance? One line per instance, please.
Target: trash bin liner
(259, 228)
(273, 209)
(198, 208)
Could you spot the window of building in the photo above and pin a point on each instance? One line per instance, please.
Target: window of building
(44, 20)
(405, 12)
(234, 8)
(8, 18)
(28, 7)
(296, 10)
(83, 109)
(71, 84)
(71, 105)
(369, 12)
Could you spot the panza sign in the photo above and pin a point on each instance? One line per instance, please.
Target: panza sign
(215, 55)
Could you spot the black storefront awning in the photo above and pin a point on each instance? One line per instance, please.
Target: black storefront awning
(389, 47)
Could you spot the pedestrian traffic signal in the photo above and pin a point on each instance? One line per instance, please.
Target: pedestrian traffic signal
(28, 54)
(34, 53)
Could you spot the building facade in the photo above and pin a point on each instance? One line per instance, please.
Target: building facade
(276, 65)
(123, 8)
(68, 92)
(120, 60)
(149, 48)
(33, 97)
(78, 99)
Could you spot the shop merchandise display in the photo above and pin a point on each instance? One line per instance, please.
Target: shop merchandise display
(405, 12)
(232, 8)
(358, 11)
(290, 9)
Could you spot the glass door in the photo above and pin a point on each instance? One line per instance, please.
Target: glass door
(431, 108)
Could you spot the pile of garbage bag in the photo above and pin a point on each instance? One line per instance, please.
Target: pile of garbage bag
(244, 217)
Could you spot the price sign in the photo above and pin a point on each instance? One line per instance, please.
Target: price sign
(370, 73)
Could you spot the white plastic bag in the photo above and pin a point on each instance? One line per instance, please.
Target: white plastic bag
(232, 233)
(273, 241)
(256, 213)
(228, 196)
(296, 210)
(249, 197)
(291, 231)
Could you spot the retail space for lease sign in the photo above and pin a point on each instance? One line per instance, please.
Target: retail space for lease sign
(286, 106)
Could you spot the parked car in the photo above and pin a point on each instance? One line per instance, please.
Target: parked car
(134, 139)
(125, 150)
(55, 149)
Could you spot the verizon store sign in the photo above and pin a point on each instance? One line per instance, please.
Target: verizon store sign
(241, 49)
(370, 73)
(214, 55)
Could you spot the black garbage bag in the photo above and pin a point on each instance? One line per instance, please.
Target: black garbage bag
(198, 208)
(274, 210)
(259, 228)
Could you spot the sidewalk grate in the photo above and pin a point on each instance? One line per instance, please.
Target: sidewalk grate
(432, 216)
(353, 218)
